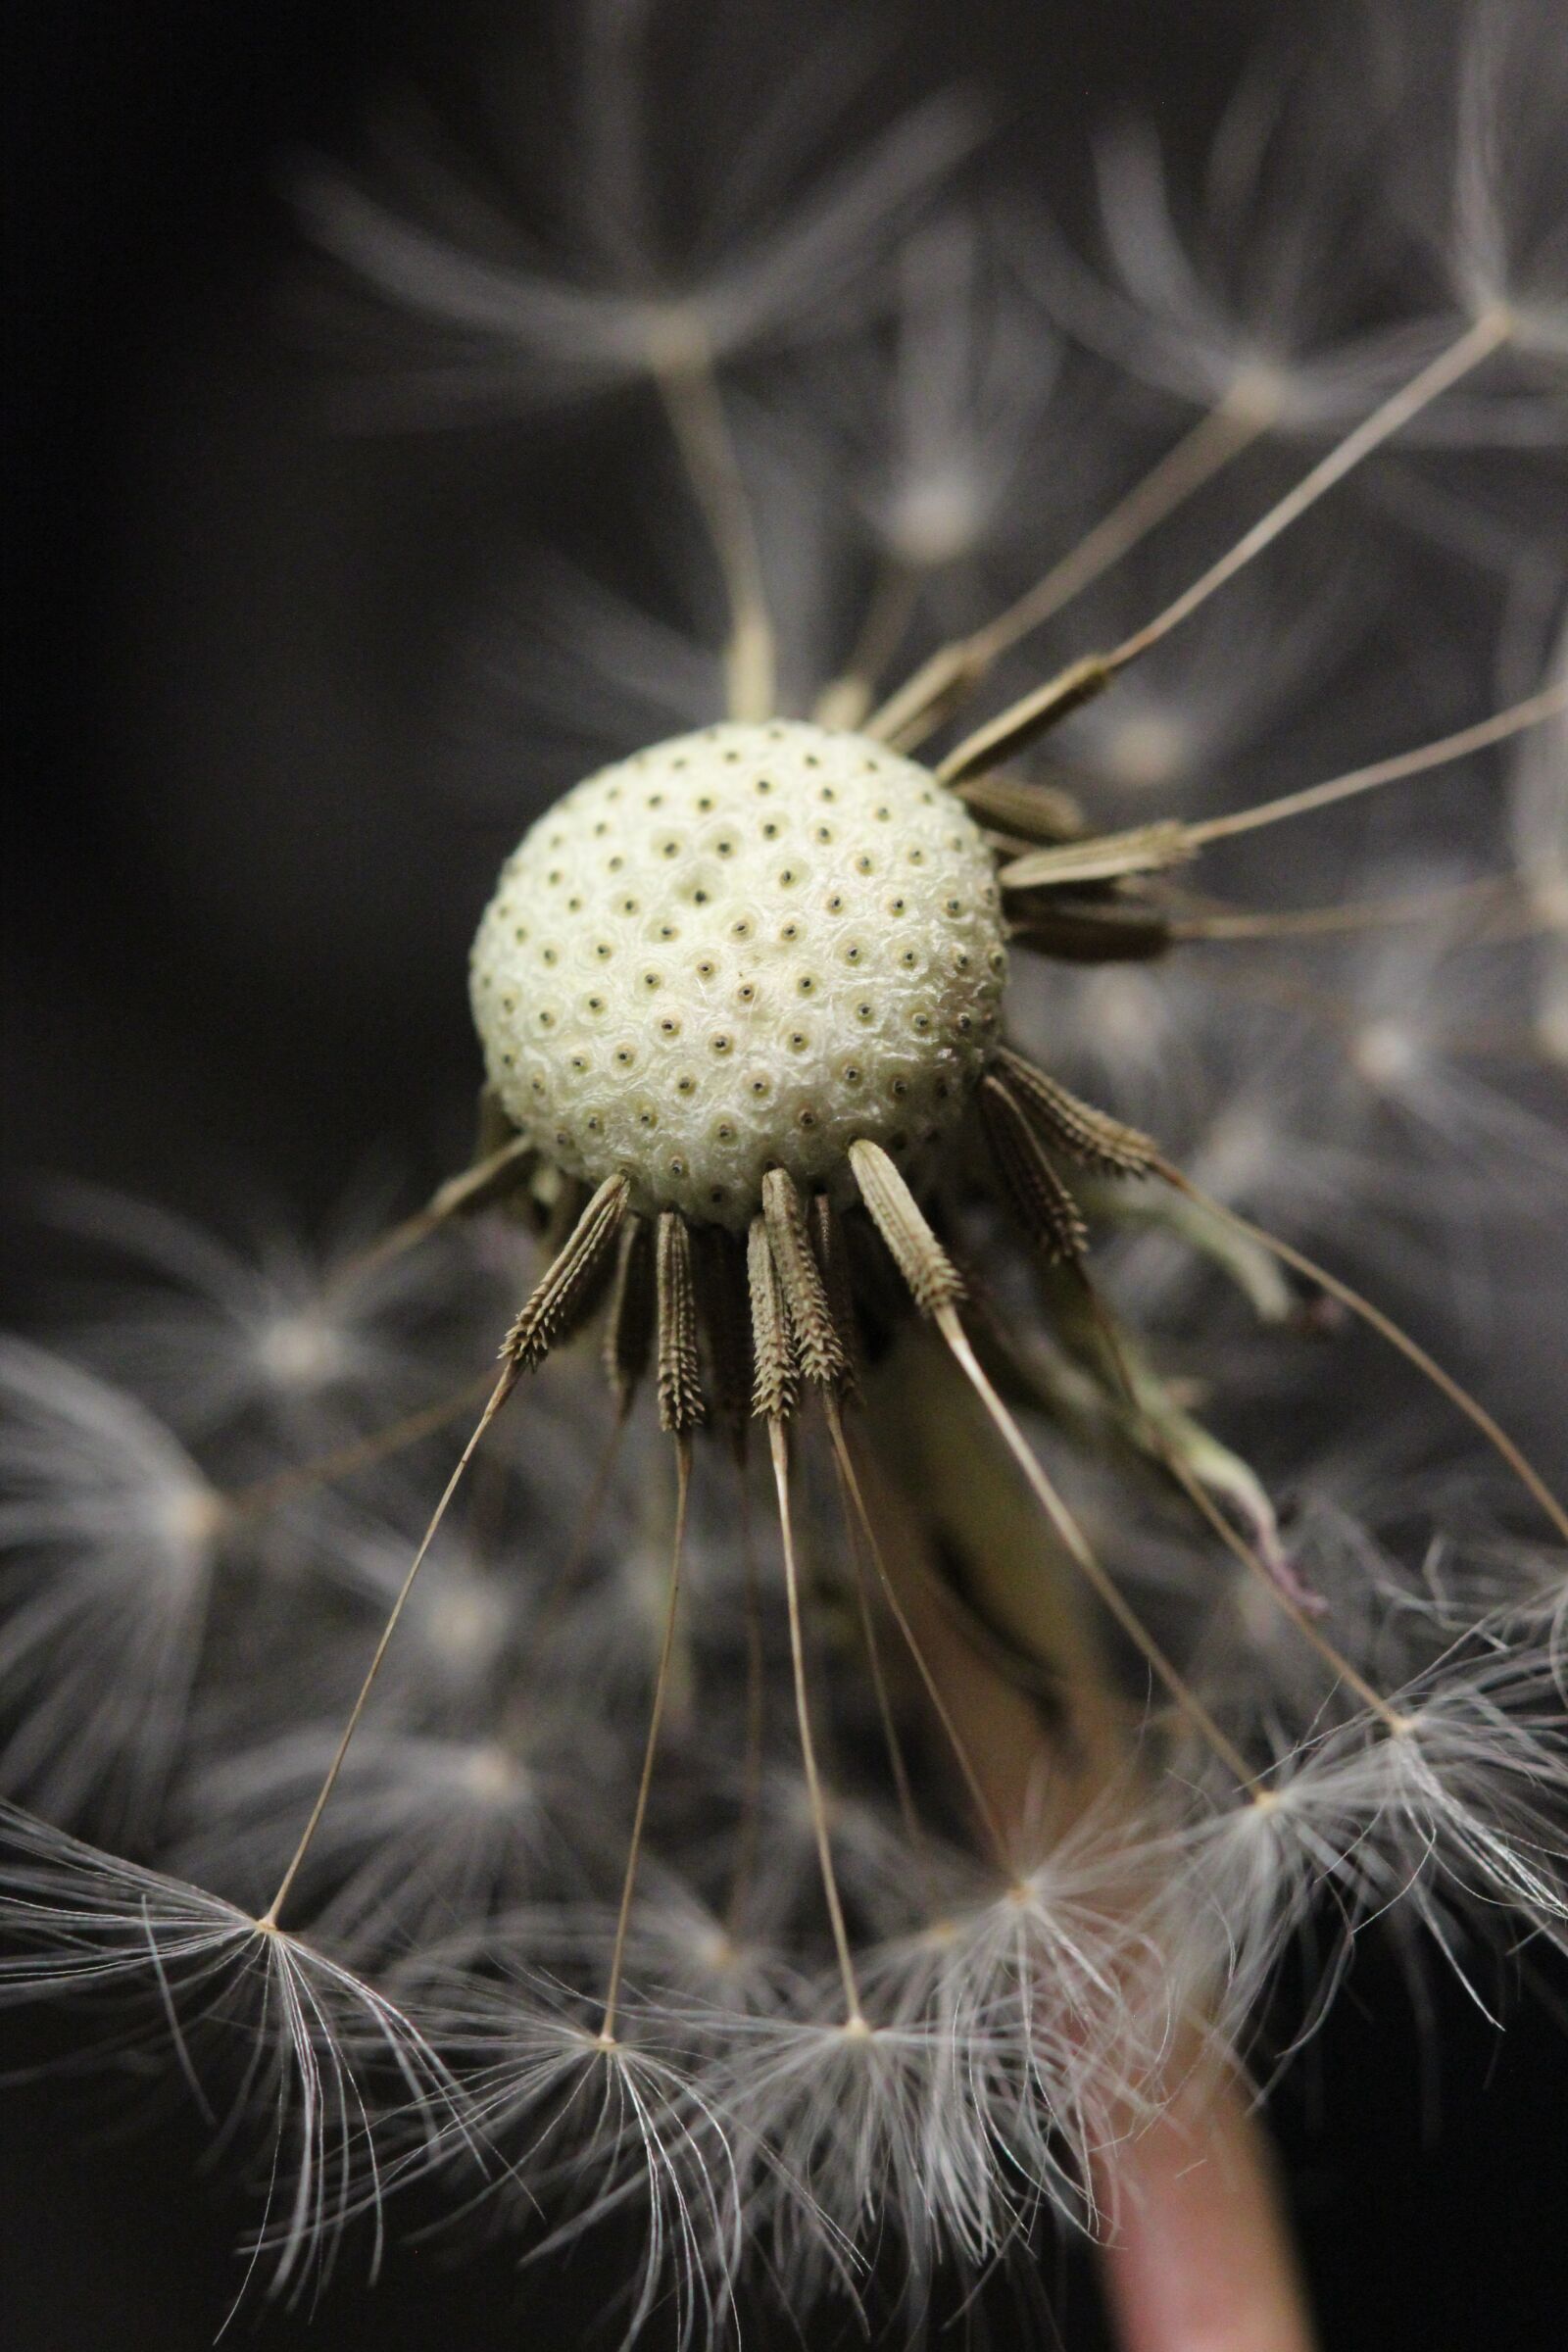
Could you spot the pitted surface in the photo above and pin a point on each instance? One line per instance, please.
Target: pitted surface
(739, 949)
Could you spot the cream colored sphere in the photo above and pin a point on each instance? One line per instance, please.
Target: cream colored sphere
(740, 949)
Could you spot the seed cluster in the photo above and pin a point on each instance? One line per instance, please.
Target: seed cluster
(740, 949)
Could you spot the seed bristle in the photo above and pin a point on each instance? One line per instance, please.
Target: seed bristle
(630, 1330)
(1042, 1203)
(1036, 813)
(569, 1289)
(829, 1243)
(1078, 928)
(818, 1348)
(1076, 1128)
(934, 1281)
(1103, 858)
(1001, 738)
(776, 1388)
(681, 1408)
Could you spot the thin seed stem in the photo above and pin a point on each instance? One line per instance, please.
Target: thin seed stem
(956, 669)
(851, 1482)
(1033, 713)
(567, 1575)
(689, 389)
(344, 1461)
(778, 1443)
(463, 1195)
(1548, 704)
(914, 1826)
(1366, 914)
(1487, 334)
(498, 1397)
(1397, 1337)
(1197, 1495)
(752, 1767)
(1076, 1544)
(1288, 1607)
(666, 1650)
(1211, 444)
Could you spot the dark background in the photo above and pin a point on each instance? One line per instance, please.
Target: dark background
(235, 915)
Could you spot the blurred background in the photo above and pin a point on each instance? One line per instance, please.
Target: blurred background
(237, 906)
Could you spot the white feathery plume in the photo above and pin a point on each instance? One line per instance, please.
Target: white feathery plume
(1509, 217)
(854, 2142)
(208, 1332)
(423, 1830)
(273, 2025)
(594, 2127)
(773, 260)
(111, 1534)
(1538, 822)
(1242, 318)
(969, 379)
(464, 1624)
(1455, 1814)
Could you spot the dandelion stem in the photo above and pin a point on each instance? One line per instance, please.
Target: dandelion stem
(1397, 1337)
(1076, 1544)
(1548, 704)
(689, 389)
(666, 1650)
(498, 1397)
(778, 1443)
(1199, 2250)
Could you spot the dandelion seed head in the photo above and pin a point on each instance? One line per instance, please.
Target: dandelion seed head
(740, 949)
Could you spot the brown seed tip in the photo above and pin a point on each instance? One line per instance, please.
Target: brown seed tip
(934, 1281)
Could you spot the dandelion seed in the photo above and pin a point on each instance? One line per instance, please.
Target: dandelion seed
(509, 330)
(209, 1333)
(289, 2029)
